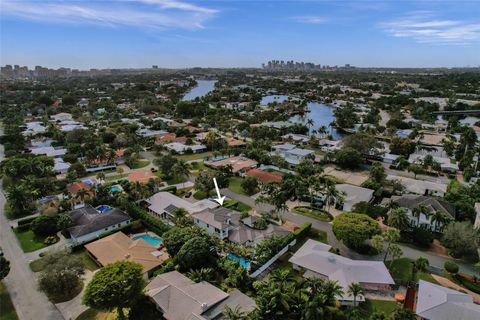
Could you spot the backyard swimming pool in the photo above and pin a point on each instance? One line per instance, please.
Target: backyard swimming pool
(116, 188)
(244, 263)
(103, 208)
(154, 241)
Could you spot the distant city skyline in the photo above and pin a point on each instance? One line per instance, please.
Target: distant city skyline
(182, 34)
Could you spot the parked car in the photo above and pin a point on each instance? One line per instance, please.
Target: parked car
(188, 194)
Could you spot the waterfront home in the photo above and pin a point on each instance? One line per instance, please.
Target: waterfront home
(435, 302)
(426, 208)
(315, 260)
(179, 298)
(119, 247)
(88, 222)
(297, 138)
(292, 154)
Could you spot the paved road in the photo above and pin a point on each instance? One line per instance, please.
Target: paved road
(30, 303)
(408, 252)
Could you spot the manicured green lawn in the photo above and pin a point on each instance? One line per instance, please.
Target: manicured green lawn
(402, 269)
(194, 156)
(319, 235)
(7, 311)
(236, 205)
(313, 213)
(29, 241)
(141, 164)
(384, 306)
(38, 265)
(87, 260)
(235, 185)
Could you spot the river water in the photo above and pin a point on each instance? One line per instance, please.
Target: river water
(203, 88)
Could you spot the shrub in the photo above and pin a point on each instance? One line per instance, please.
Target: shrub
(200, 194)
(25, 221)
(451, 267)
(50, 240)
(44, 226)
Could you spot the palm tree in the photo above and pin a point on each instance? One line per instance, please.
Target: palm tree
(314, 307)
(398, 218)
(418, 211)
(210, 137)
(180, 169)
(234, 313)
(310, 123)
(331, 290)
(322, 130)
(332, 194)
(202, 274)
(391, 235)
(419, 265)
(440, 219)
(282, 278)
(355, 289)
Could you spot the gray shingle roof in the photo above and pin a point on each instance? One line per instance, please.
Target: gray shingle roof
(413, 201)
(87, 220)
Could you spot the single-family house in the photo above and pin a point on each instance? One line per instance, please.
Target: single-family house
(264, 177)
(88, 222)
(182, 148)
(169, 137)
(352, 195)
(297, 138)
(426, 208)
(119, 247)
(179, 298)
(314, 257)
(62, 116)
(435, 302)
(238, 163)
(292, 154)
(421, 187)
(163, 204)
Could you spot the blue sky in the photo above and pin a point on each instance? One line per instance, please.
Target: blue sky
(239, 33)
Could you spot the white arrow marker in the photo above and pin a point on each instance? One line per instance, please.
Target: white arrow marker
(220, 197)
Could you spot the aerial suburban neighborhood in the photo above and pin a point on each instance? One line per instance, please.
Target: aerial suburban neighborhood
(150, 188)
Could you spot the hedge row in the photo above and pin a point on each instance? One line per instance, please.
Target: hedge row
(467, 284)
(148, 220)
(23, 227)
(29, 220)
(300, 232)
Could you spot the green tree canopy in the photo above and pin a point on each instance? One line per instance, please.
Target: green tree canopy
(117, 285)
(354, 229)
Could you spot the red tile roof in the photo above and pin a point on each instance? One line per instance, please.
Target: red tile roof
(264, 176)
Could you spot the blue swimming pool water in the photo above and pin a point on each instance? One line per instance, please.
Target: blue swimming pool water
(244, 263)
(154, 241)
(103, 208)
(115, 188)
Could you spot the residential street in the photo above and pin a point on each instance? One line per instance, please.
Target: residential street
(409, 252)
(29, 302)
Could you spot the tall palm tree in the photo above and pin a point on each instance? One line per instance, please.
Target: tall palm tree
(418, 211)
(332, 194)
(210, 138)
(439, 219)
(398, 218)
(419, 265)
(283, 278)
(355, 289)
(332, 290)
(180, 169)
(234, 313)
(310, 123)
(202, 274)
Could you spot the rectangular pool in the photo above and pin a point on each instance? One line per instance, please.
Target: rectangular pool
(154, 241)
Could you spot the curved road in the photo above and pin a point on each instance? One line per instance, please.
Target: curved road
(408, 252)
(29, 302)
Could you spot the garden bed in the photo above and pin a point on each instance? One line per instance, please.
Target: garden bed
(313, 213)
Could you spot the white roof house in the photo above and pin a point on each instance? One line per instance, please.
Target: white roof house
(34, 128)
(354, 195)
(62, 116)
(164, 203)
(61, 166)
(320, 263)
(182, 148)
(180, 298)
(420, 187)
(49, 151)
(439, 303)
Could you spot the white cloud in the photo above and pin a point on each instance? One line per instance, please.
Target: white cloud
(155, 14)
(424, 28)
(310, 19)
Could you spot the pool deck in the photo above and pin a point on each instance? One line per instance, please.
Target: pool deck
(148, 233)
